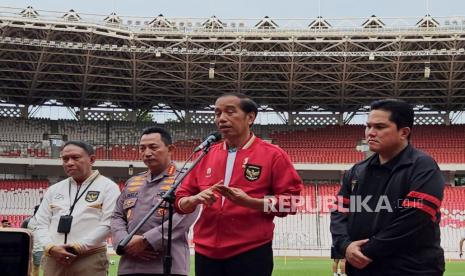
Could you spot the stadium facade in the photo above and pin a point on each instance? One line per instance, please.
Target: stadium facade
(315, 75)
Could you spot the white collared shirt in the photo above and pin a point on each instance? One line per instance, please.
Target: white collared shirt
(229, 170)
(91, 214)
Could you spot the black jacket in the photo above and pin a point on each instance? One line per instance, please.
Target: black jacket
(404, 240)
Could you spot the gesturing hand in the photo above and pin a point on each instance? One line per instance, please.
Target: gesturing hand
(355, 256)
(208, 196)
(236, 195)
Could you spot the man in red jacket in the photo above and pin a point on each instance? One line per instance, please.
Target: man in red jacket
(241, 183)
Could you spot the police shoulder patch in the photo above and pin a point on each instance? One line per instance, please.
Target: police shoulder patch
(92, 196)
(252, 172)
(128, 203)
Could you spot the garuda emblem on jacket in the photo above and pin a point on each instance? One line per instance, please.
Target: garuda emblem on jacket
(252, 172)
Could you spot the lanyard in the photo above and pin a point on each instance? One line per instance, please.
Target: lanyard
(76, 198)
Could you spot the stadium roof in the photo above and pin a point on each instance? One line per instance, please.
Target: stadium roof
(290, 65)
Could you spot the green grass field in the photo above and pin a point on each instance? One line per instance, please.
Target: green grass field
(294, 266)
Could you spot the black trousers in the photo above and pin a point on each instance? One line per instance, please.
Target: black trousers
(255, 262)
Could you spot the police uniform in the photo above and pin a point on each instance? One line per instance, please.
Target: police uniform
(400, 218)
(90, 225)
(140, 194)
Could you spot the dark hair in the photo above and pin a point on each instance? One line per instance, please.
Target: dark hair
(165, 134)
(401, 112)
(83, 145)
(246, 103)
(5, 220)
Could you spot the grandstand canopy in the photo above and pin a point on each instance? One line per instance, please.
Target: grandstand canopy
(289, 65)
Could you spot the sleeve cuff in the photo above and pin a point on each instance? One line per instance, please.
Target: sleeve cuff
(180, 210)
(47, 249)
(369, 250)
(154, 238)
(78, 248)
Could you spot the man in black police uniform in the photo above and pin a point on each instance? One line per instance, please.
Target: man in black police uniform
(387, 220)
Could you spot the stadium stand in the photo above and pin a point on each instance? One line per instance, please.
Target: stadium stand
(452, 217)
(23, 130)
(453, 207)
(292, 232)
(445, 143)
(18, 198)
(330, 144)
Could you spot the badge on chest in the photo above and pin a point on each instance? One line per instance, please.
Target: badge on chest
(252, 172)
(92, 196)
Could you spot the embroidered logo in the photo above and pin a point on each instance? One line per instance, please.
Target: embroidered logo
(246, 160)
(92, 196)
(209, 172)
(252, 172)
(128, 203)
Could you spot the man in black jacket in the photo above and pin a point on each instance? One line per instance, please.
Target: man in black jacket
(387, 219)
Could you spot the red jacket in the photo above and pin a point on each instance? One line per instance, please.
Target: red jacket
(260, 169)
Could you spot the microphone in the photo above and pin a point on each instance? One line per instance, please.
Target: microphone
(212, 138)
